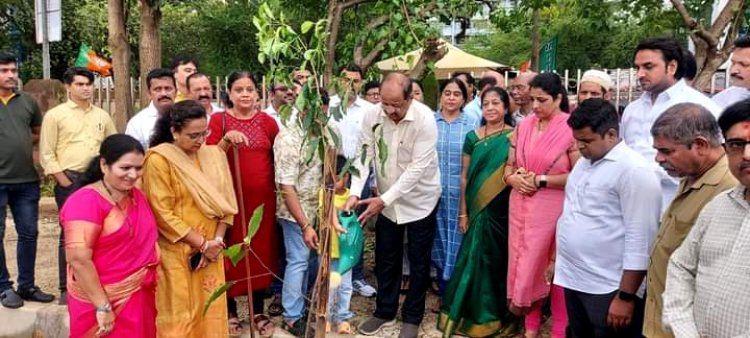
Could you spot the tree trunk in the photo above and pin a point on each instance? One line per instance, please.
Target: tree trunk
(535, 40)
(334, 22)
(710, 53)
(150, 44)
(714, 60)
(118, 44)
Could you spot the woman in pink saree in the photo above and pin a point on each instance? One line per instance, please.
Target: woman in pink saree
(542, 154)
(110, 242)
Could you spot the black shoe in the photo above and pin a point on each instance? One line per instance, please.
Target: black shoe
(35, 294)
(10, 299)
(63, 298)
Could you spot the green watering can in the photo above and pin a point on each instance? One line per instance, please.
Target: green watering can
(350, 243)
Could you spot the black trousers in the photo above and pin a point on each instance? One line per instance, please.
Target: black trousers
(389, 251)
(61, 195)
(587, 316)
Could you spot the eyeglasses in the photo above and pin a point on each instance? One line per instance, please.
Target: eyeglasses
(376, 94)
(195, 136)
(735, 146)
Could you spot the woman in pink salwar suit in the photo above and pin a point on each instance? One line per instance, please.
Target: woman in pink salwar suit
(110, 241)
(543, 154)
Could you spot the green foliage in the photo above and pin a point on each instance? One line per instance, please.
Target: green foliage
(590, 33)
(216, 294)
(235, 253)
(254, 225)
(220, 33)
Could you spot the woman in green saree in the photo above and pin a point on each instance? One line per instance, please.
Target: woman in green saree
(474, 303)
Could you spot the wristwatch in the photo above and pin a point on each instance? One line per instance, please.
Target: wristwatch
(627, 296)
(543, 181)
(106, 308)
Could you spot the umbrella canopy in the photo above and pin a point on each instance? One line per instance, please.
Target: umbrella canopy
(455, 60)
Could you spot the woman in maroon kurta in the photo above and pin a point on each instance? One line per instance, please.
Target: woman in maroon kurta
(253, 132)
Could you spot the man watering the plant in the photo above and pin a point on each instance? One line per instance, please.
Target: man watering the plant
(399, 139)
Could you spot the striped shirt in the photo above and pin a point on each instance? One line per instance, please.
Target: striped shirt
(708, 285)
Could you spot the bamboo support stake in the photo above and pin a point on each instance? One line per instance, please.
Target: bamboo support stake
(319, 304)
(243, 223)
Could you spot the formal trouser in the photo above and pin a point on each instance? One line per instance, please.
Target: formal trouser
(61, 195)
(587, 316)
(389, 250)
(23, 200)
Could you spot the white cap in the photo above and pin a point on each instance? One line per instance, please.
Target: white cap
(599, 77)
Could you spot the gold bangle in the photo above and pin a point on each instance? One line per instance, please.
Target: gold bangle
(304, 227)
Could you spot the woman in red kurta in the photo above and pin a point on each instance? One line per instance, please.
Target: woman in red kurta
(253, 133)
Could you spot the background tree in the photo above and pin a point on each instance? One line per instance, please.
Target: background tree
(713, 43)
(149, 45)
(118, 44)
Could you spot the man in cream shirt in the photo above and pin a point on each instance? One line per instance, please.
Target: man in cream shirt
(409, 179)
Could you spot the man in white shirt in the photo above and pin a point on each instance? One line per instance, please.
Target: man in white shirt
(162, 90)
(604, 235)
(199, 88)
(740, 73)
(281, 94)
(349, 119)
(658, 63)
(400, 139)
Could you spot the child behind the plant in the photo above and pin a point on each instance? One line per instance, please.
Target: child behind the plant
(339, 293)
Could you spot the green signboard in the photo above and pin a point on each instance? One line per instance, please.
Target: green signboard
(548, 56)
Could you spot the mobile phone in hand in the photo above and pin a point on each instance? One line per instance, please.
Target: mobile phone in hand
(195, 259)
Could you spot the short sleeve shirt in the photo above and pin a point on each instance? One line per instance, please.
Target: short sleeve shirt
(17, 118)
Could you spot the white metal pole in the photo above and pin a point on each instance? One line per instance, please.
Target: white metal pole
(45, 42)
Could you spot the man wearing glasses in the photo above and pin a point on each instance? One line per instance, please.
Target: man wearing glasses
(707, 292)
(687, 140)
(400, 139)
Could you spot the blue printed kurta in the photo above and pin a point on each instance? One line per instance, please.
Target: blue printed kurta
(449, 149)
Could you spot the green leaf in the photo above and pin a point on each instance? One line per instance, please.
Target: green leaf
(285, 112)
(216, 294)
(235, 253)
(267, 10)
(334, 136)
(306, 26)
(254, 225)
(337, 112)
(262, 58)
(363, 155)
(312, 146)
(309, 54)
(302, 100)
